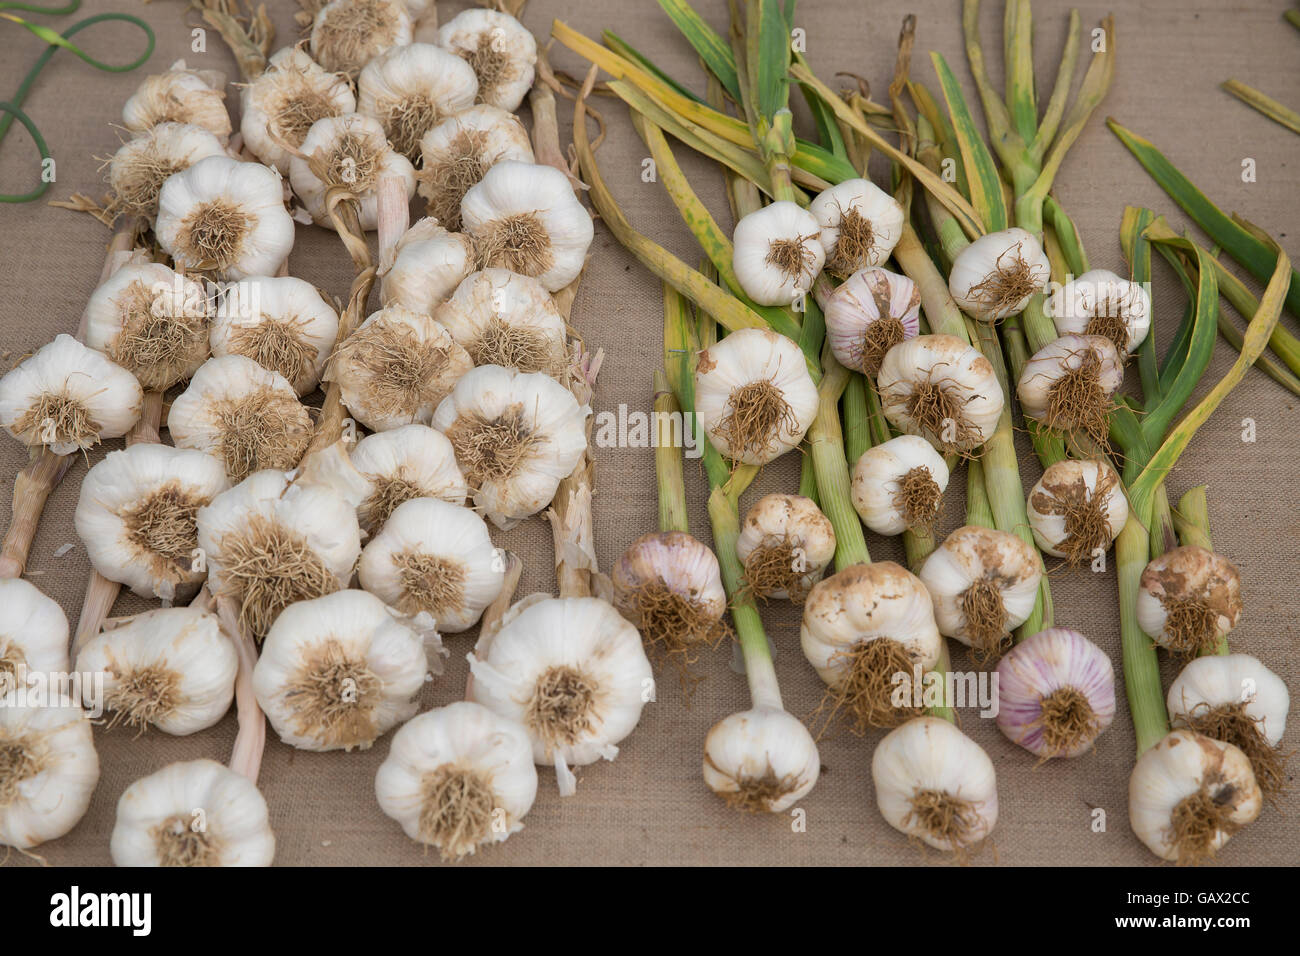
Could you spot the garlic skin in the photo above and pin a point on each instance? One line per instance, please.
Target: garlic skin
(997, 274)
(1076, 508)
(429, 264)
(225, 216)
(510, 320)
(68, 397)
(34, 637)
(1062, 368)
(142, 164)
(501, 51)
(942, 389)
(435, 557)
(172, 668)
(669, 585)
(1188, 794)
(458, 151)
(50, 770)
(348, 34)
(247, 417)
(280, 105)
(1056, 693)
(935, 784)
(517, 201)
(1101, 303)
(412, 88)
(1188, 599)
(517, 436)
(136, 516)
(180, 95)
(350, 152)
(338, 672)
(452, 772)
(777, 253)
(860, 225)
(754, 396)
(412, 461)
(763, 760)
(868, 314)
(192, 813)
(282, 323)
(785, 544)
(899, 484)
(1230, 679)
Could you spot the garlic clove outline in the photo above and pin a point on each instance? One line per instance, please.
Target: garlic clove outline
(34, 636)
(180, 95)
(429, 263)
(502, 318)
(413, 461)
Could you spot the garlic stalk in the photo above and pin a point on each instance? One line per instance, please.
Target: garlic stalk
(411, 89)
(870, 313)
(777, 253)
(501, 51)
(348, 34)
(997, 274)
(1077, 510)
(501, 318)
(1068, 385)
(34, 637)
(413, 461)
(1101, 303)
(860, 225)
(349, 153)
(282, 104)
(180, 95)
(457, 153)
(785, 544)
(429, 263)
(142, 164)
(898, 485)
(939, 387)
(1188, 599)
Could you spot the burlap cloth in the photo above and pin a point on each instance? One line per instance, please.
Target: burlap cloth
(651, 805)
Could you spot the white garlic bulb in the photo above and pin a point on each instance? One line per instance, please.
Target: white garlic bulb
(180, 95)
(225, 216)
(777, 253)
(1101, 303)
(936, 784)
(172, 668)
(868, 314)
(412, 88)
(413, 461)
(525, 218)
(501, 318)
(500, 49)
(429, 263)
(899, 484)
(242, 414)
(348, 34)
(458, 778)
(762, 760)
(281, 104)
(997, 274)
(1068, 384)
(517, 436)
(33, 637)
(785, 544)
(1189, 599)
(348, 152)
(142, 164)
(458, 151)
(67, 397)
(1077, 509)
(860, 225)
(942, 389)
(754, 396)
(669, 585)
(192, 813)
(136, 516)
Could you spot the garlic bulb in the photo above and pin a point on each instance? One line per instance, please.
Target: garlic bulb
(49, 767)
(136, 516)
(396, 368)
(458, 151)
(777, 253)
(754, 396)
(225, 216)
(246, 416)
(151, 321)
(500, 49)
(517, 436)
(348, 152)
(669, 586)
(573, 672)
(436, 557)
(870, 313)
(281, 104)
(429, 264)
(762, 760)
(785, 544)
(861, 628)
(942, 389)
(1189, 794)
(501, 318)
(413, 461)
(997, 274)
(1101, 303)
(180, 95)
(458, 778)
(348, 34)
(1188, 599)
(338, 672)
(1077, 509)
(269, 543)
(936, 784)
(192, 813)
(142, 164)
(525, 218)
(411, 89)
(34, 637)
(67, 397)
(172, 668)
(282, 323)
(860, 225)
(1068, 384)
(899, 484)
(1056, 693)
(984, 584)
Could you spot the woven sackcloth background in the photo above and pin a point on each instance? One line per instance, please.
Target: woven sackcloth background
(650, 806)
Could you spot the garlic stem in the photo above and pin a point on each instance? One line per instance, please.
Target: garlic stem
(250, 741)
(490, 622)
(669, 476)
(1146, 699)
(834, 491)
(978, 510)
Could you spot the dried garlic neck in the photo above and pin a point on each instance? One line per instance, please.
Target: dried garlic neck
(333, 697)
(456, 808)
(563, 707)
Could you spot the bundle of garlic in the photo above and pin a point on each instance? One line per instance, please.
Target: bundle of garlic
(1101, 303)
(868, 314)
(1188, 600)
(457, 153)
(501, 52)
(428, 264)
(997, 274)
(860, 225)
(785, 544)
(898, 485)
(285, 101)
(34, 637)
(142, 164)
(502, 318)
(1077, 509)
(940, 388)
(346, 154)
(411, 89)
(180, 95)
(1068, 385)
(348, 34)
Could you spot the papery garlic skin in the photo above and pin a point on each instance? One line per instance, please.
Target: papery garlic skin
(899, 484)
(412, 461)
(1077, 509)
(749, 372)
(1220, 680)
(34, 635)
(68, 397)
(192, 813)
(352, 153)
(997, 274)
(792, 530)
(939, 387)
(280, 105)
(501, 318)
(868, 218)
(1101, 303)
(501, 50)
(868, 314)
(458, 152)
(429, 264)
(515, 199)
(142, 164)
(172, 668)
(180, 95)
(412, 88)
(348, 34)
(467, 750)
(50, 768)
(1088, 359)
(761, 759)
(928, 763)
(1188, 599)
(777, 253)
